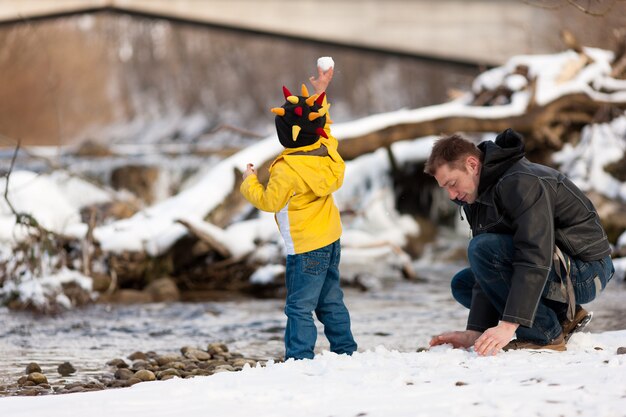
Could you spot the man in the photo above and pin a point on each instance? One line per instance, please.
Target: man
(538, 250)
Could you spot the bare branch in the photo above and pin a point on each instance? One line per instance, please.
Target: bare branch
(6, 185)
(541, 4)
(596, 8)
(588, 9)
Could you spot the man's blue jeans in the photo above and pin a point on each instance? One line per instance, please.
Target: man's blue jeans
(490, 256)
(312, 281)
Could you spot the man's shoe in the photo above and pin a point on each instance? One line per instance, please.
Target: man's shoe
(582, 317)
(556, 344)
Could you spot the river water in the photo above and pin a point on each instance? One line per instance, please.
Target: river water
(401, 315)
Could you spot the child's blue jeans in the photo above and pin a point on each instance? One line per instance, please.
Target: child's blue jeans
(490, 257)
(312, 281)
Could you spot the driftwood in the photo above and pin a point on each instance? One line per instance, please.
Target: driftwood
(533, 124)
(207, 238)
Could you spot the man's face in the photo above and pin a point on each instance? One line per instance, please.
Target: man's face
(461, 184)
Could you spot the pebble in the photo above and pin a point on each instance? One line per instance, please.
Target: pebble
(145, 366)
(140, 364)
(145, 375)
(197, 354)
(37, 378)
(124, 374)
(621, 350)
(165, 359)
(118, 363)
(138, 355)
(66, 369)
(32, 367)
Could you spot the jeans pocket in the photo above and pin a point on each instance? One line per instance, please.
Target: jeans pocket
(592, 280)
(315, 262)
(587, 290)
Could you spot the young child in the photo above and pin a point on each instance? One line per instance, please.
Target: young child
(299, 192)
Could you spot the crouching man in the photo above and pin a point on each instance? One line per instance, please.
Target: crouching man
(538, 250)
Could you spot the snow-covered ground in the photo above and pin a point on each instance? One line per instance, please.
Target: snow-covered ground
(387, 377)
(587, 380)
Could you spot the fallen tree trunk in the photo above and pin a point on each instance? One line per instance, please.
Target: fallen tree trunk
(572, 110)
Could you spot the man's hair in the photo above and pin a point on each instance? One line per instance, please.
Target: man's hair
(451, 150)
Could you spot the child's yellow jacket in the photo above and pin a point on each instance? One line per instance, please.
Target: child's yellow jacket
(299, 191)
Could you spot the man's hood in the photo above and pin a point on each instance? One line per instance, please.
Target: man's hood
(499, 156)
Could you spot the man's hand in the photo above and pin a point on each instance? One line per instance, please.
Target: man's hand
(323, 79)
(495, 338)
(249, 171)
(464, 339)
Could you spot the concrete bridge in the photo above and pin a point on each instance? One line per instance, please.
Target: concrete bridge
(474, 31)
(125, 70)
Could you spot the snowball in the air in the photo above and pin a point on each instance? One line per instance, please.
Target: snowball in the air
(325, 63)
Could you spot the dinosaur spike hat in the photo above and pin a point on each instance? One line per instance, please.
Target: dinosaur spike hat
(300, 121)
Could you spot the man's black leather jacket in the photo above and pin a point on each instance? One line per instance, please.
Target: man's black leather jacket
(539, 207)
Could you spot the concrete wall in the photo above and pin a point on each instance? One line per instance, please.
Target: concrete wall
(115, 77)
(127, 67)
(480, 31)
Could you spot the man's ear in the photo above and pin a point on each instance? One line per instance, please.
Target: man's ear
(473, 164)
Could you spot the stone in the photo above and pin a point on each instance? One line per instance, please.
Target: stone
(118, 363)
(217, 348)
(225, 356)
(37, 378)
(138, 355)
(73, 385)
(124, 374)
(32, 367)
(145, 375)
(197, 354)
(66, 369)
(119, 384)
(240, 362)
(133, 381)
(31, 392)
(621, 350)
(168, 373)
(140, 364)
(165, 359)
(175, 365)
(203, 372)
(78, 388)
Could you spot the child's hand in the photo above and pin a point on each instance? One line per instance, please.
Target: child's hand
(323, 79)
(249, 171)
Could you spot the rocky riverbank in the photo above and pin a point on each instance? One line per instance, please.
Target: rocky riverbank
(136, 368)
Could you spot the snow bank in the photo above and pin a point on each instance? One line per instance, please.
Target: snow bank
(587, 380)
(600, 144)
